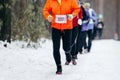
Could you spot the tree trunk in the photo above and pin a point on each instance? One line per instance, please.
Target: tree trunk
(118, 18)
(6, 21)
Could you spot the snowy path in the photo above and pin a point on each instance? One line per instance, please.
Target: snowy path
(38, 64)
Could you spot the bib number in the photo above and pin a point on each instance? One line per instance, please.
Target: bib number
(61, 19)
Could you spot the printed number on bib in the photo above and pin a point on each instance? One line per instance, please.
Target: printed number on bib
(61, 19)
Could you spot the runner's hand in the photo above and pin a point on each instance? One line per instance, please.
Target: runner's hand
(79, 21)
(70, 16)
(50, 18)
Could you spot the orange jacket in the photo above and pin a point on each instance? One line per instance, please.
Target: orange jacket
(52, 7)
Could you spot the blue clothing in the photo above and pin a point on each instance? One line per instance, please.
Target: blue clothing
(84, 26)
(93, 18)
(90, 25)
(85, 22)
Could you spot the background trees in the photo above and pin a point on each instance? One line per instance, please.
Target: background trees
(28, 21)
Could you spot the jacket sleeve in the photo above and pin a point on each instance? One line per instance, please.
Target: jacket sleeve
(80, 13)
(47, 9)
(94, 15)
(75, 7)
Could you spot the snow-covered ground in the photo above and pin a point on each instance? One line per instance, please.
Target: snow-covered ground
(102, 63)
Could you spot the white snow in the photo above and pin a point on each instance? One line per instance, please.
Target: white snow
(17, 63)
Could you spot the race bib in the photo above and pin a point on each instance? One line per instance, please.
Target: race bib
(61, 19)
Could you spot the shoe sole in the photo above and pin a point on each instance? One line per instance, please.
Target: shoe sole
(74, 62)
(58, 73)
